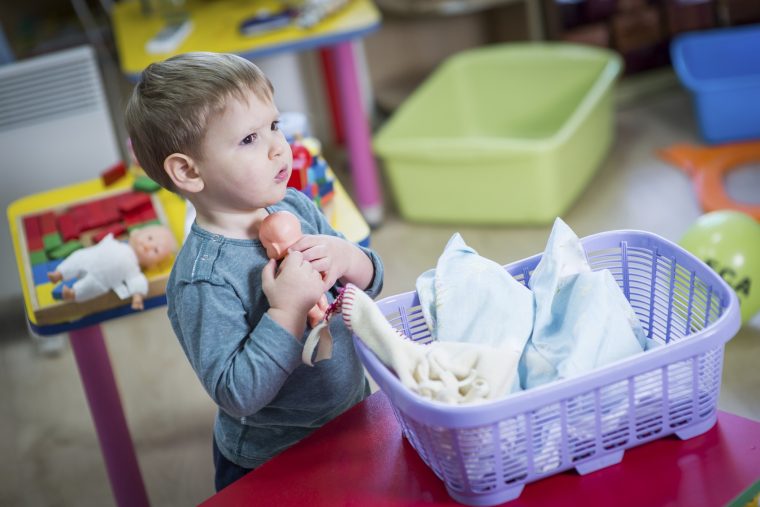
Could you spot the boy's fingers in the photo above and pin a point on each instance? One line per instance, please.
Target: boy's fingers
(267, 274)
(294, 257)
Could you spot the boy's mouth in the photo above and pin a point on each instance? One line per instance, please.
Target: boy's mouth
(282, 174)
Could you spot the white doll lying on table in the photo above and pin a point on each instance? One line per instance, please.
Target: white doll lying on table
(115, 265)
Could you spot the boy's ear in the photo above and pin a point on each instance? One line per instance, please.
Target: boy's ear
(183, 172)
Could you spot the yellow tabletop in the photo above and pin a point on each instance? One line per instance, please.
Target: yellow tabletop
(215, 27)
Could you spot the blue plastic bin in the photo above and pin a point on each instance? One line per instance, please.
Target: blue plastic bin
(722, 70)
(486, 453)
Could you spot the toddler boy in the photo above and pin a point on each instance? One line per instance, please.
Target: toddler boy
(205, 125)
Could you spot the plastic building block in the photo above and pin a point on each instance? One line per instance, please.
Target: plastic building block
(138, 225)
(115, 229)
(79, 214)
(133, 201)
(40, 271)
(298, 178)
(33, 233)
(47, 223)
(52, 241)
(38, 257)
(140, 215)
(145, 184)
(97, 216)
(326, 188)
(326, 199)
(319, 168)
(58, 289)
(113, 173)
(149, 214)
(68, 226)
(32, 227)
(65, 249)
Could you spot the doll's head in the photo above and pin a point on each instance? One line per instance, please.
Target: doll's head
(278, 231)
(152, 244)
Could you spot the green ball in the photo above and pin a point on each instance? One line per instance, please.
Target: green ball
(729, 242)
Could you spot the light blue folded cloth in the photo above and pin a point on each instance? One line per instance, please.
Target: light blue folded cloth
(468, 298)
(583, 321)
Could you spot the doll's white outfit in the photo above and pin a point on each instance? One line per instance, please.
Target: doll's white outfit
(108, 265)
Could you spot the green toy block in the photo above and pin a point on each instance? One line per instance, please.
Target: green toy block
(65, 249)
(51, 241)
(145, 184)
(38, 257)
(143, 224)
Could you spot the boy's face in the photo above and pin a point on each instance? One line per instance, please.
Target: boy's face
(246, 161)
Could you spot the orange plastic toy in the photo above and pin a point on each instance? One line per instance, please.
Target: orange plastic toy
(707, 166)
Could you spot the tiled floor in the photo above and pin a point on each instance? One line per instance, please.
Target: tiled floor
(51, 457)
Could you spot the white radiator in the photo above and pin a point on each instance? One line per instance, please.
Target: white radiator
(55, 129)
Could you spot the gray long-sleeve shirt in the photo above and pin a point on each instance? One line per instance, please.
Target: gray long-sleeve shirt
(250, 366)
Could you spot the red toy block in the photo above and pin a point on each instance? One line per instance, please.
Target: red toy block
(96, 217)
(301, 156)
(298, 178)
(113, 173)
(33, 233)
(132, 201)
(79, 214)
(148, 214)
(68, 226)
(115, 229)
(47, 223)
(32, 228)
(110, 210)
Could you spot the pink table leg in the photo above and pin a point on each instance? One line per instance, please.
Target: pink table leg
(357, 132)
(105, 407)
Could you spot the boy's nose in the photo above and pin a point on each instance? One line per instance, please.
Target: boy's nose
(277, 147)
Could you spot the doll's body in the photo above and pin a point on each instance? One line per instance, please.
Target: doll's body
(115, 265)
(277, 233)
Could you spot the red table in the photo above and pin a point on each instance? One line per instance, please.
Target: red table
(361, 459)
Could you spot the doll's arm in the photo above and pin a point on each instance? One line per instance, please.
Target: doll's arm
(137, 302)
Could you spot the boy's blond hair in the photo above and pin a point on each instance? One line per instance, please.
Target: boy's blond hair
(171, 106)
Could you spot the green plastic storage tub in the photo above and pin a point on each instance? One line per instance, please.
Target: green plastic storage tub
(504, 134)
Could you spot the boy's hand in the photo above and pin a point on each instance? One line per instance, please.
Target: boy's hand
(330, 255)
(291, 291)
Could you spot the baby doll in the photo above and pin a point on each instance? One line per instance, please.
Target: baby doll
(116, 265)
(277, 233)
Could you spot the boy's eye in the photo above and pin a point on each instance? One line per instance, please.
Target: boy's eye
(276, 125)
(248, 139)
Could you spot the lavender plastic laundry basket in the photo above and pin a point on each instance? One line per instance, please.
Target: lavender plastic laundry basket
(485, 454)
